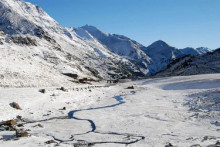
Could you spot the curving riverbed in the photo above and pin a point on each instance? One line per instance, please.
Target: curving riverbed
(120, 101)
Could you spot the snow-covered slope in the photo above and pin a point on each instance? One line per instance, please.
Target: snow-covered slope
(29, 40)
(122, 46)
(162, 54)
(119, 44)
(29, 37)
(19, 17)
(203, 50)
(28, 31)
(201, 64)
(195, 51)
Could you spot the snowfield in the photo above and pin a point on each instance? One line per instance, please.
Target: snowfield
(38, 56)
(182, 111)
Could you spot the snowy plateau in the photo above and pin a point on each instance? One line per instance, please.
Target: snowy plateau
(82, 87)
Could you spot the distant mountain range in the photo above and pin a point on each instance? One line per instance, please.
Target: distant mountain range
(35, 48)
(192, 65)
(195, 51)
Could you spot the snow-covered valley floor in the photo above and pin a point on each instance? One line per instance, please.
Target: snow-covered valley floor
(182, 111)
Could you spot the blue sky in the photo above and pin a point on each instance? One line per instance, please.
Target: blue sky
(180, 23)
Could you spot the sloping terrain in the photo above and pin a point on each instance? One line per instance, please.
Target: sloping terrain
(28, 32)
(162, 54)
(201, 64)
(123, 46)
(195, 51)
(37, 51)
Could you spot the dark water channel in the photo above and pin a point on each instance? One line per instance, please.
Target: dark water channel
(119, 99)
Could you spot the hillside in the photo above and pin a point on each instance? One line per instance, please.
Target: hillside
(35, 45)
(162, 54)
(188, 65)
(37, 51)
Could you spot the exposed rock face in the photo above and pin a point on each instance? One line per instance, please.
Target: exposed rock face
(2, 34)
(23, 40)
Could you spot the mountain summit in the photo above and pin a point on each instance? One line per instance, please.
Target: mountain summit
(162, 54)
(42, 50)
(192, 65)
(40, 47)
(119, 44)
(159, 43)
(22, 17)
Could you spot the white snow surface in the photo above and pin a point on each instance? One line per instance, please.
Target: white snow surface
(33, 36)
(183, 111)
(195, 51)
(43, 41)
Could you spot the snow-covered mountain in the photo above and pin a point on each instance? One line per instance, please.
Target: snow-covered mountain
(195, 51)
(119, 44)
(162, 54)
(37, 51)
(29, 35)
(155, 57)
(192, 65)
(124, 47)
(203, 50)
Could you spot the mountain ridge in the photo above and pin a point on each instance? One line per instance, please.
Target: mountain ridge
(29, 33)
(191, 65)
(195, 51)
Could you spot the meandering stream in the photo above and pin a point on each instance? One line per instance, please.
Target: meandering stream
(133, 138)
